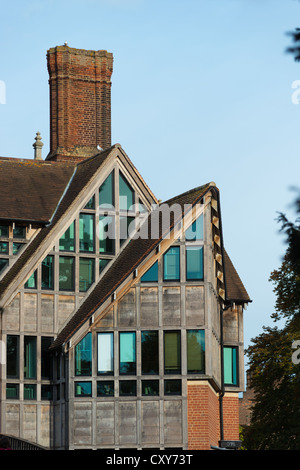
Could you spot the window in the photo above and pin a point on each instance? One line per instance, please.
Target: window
(86, 233)
(32, 281)
(86, 273)
(46, 362)
(67, 240)
(83, 356)
(195, 351)
(106, 353)
(230, 365)
(29, 357)
(152, 274)
(12, 391)
(103, 263)
(90, 204)
(150, 387)
(127, 227)
(47, 273)
(195, 231)
(106, 234)
(46, 392)
(106, 193)
(17, 247)
(127, 388)
(3, 264)
(19, 232)
(127, 353)
(126, 195)
(12, 356)
(4, 231)
(66, 273)
(172, 387)
(150, 352)
(83, 389)
(172, 264)
(29, 392)
(194, 263)
(4, 248)
(172, 358)
(105, 388)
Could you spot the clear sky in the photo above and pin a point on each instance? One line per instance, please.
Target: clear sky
(201, 91)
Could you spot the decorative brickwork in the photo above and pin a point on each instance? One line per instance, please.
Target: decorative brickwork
(80, 102)
(204, 416)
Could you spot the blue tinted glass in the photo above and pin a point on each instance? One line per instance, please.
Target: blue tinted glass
(151, 275)
(195, 231)
(172, 264)
(194, 262)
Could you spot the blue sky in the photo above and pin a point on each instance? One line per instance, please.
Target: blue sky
(201, 91)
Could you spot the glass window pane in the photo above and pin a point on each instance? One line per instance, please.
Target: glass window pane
(152, 274)
(127, 388)
(30, 357)
(105, 388)
(127, 227)
(86, 273)
(106, 234)
(17, 247)
(150, 387)
(195, 351)
(12, 356)
(172, 387)
(194, 263)
(127, 353)
(106, 353)
(83, 356)
(172, 264)
(86, 232)
(19, 232)
(12, 391)
(4, 231)
(66, 273)
(126, 200)
(46, 392)
(106, 193)
(172, 352)
(29, 392)
(150, 352)
(3, 264)
(195, 231)
(4, 247)
(67, 240)
(103, 263)
(230, 365)
(32, 281)
(46, 361)
(90, 204)
(83, 389)
(47, 273)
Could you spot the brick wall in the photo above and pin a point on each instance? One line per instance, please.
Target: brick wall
(80, 102)
(204, 416)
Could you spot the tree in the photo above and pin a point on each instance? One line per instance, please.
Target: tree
(275, 376)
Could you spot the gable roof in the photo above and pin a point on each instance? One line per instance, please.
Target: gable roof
(30, 190)
(236, 291)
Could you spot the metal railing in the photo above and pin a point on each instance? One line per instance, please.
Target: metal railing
(20, 444)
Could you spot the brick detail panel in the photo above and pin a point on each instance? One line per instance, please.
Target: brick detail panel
(80, 102)
(204, 416)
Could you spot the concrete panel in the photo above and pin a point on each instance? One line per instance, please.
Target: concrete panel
(47, 313)
(127, 310)
(11, 315)
(82, 420)
(105, 423)
(127, 423)
(194, 305)
(171, 306)
(12, 425)
(29, 423)
(149, 306)
(150, 422)
(66, 304)
(173, 422)
(30, 312)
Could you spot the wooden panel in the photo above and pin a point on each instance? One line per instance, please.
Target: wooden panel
(127, 423)
(105, 423)
(82, 423)
(150, 422)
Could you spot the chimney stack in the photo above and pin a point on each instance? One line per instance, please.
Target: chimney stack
(80, 102)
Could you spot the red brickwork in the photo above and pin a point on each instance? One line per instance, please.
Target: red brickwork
(204, 416)
(80, 102)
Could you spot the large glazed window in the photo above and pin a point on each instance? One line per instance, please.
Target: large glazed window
(126, 195)
(195, 351)
(106, 193)
(172, 352)
(86, 273)
(127, 353)
(86, 233)
(194, 263)
(105, 353)
(107, 234)
(172, 264)
(83, 356)
(230, 365)
(150, 362)
(66, 273)
(67, 240)
(152, 274)
(48, 272)
(195, 231)
(12, 356)
(30, 357)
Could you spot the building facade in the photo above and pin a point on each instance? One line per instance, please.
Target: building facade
(122, 317)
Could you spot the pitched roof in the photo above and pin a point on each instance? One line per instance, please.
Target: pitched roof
(236, 291)
(30, 190)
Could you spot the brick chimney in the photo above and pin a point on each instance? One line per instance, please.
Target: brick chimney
(80, 102)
